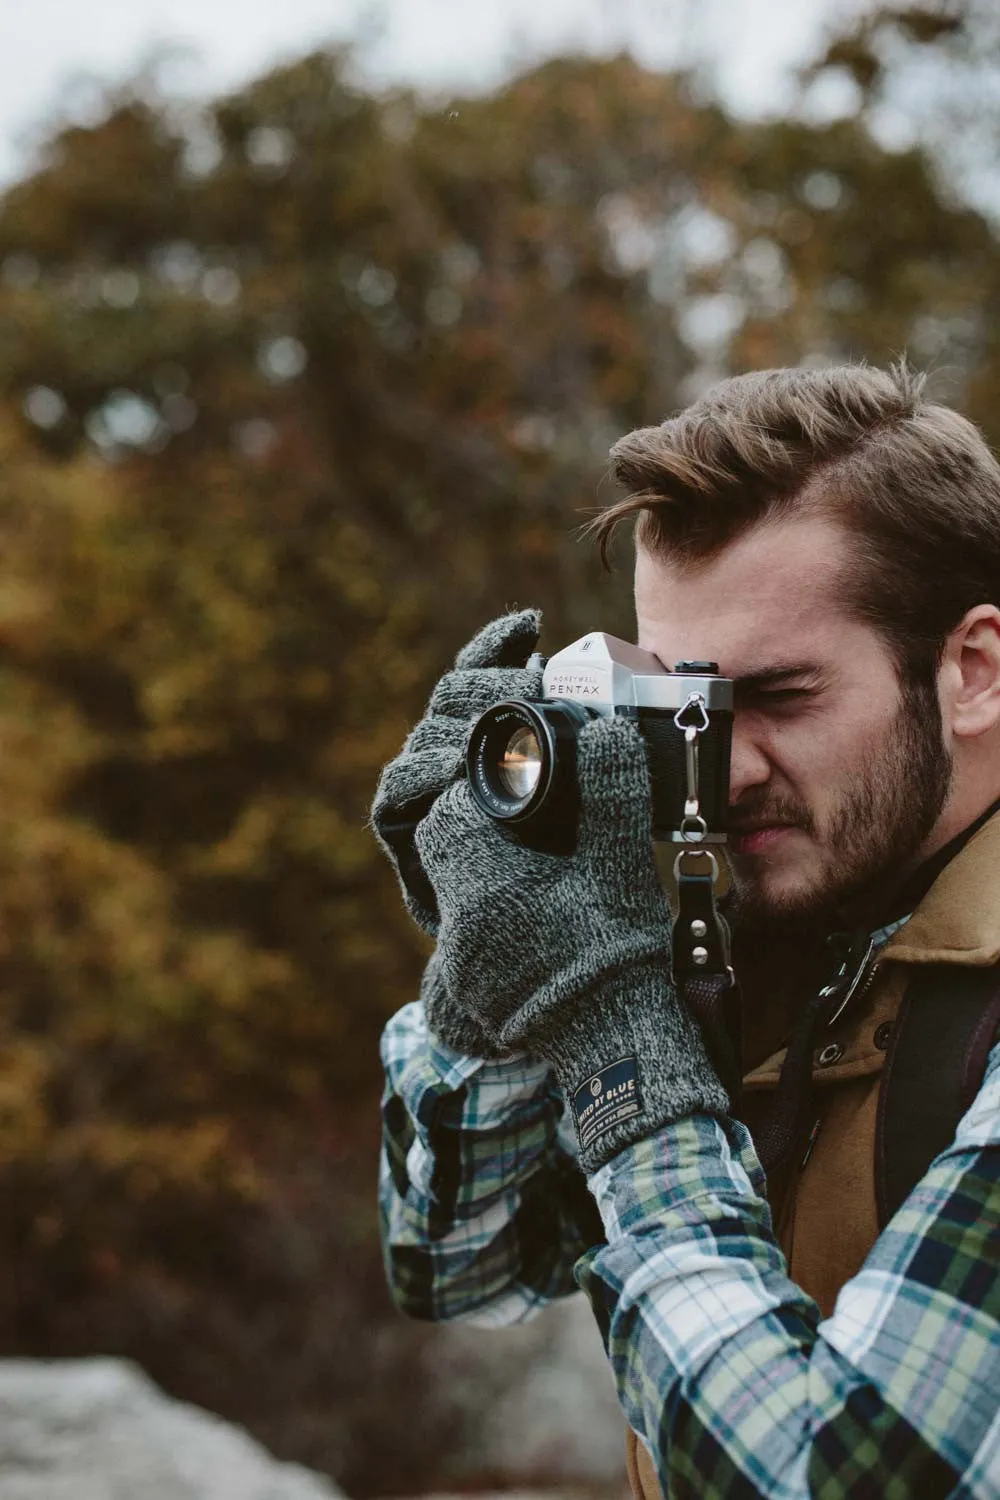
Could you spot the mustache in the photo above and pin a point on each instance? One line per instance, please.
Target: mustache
(766, 812)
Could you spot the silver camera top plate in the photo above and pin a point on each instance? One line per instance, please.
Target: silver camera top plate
(606, 673)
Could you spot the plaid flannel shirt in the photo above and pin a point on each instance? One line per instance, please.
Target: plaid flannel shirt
(723, 1365)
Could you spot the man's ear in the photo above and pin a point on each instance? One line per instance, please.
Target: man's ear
(969, 676)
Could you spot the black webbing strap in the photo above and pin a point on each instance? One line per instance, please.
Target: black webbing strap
(781, 1134)
(699, 955)
(713, 1001)
(947, 1023)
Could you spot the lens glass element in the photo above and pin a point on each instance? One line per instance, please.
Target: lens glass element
(520, 765)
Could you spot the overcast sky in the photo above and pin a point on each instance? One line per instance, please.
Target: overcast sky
(47, 46)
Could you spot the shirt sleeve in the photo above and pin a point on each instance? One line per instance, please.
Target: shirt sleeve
(484, 1208)
(723, 1365)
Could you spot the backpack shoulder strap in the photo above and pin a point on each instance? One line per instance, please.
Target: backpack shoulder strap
(947, 1023)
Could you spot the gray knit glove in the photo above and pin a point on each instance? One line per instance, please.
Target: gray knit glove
(567, 956)
(451, 1022)
(491, 668)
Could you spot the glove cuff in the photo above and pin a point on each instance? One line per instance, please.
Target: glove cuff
(630, 1060)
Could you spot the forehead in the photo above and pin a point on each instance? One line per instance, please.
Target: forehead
(775, 590)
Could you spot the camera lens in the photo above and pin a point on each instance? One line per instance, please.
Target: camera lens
(520, 764)
(509, 759)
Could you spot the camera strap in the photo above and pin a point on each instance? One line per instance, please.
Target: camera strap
(702, 971)
(701, 965)
(701, 934)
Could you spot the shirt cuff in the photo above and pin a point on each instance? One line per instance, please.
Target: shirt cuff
(663, 1175)
(415, 1059)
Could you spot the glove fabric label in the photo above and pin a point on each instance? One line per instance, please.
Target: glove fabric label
(607, 1098)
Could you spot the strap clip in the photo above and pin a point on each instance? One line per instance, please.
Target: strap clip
(701, 945)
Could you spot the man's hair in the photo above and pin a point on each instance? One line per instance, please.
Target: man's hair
(914, 484)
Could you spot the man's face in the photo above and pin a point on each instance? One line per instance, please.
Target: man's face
(838, 776)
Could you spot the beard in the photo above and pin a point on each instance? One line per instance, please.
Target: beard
(873, 835)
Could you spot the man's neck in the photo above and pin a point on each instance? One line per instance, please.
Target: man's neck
(911, 889)
(780, 965)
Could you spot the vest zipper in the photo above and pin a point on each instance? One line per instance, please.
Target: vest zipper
(857, 990)
(810, 1143)
(866, 984)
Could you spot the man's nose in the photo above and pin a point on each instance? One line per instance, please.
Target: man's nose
(750, 766)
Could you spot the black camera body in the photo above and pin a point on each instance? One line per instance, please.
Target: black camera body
(521, 759)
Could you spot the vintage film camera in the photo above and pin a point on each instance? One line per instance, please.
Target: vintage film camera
(521, 759)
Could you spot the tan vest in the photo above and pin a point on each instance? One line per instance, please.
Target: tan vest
(825, 1211)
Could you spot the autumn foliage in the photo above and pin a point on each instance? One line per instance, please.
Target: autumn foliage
(294, 394)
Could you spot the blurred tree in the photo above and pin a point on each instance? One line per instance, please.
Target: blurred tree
(927, 78)
(296, 391)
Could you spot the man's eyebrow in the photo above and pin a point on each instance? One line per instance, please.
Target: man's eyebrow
(770, 677)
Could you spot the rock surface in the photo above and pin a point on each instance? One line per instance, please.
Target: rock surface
(540, 1399)
(98, 1429)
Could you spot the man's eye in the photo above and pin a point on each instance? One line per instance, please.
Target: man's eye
(774, 699)
(760, 698)
(784, 697)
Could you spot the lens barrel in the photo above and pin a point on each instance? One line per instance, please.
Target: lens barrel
(521, 762)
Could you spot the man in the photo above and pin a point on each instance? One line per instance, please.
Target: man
(832, 540)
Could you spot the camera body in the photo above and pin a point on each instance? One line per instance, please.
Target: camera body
(521, 759)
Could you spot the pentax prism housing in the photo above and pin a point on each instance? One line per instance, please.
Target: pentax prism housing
(521, 757)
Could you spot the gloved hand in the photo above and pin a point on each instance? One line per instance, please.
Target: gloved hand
(449, 1021)
(490, 669)
(567, 956)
